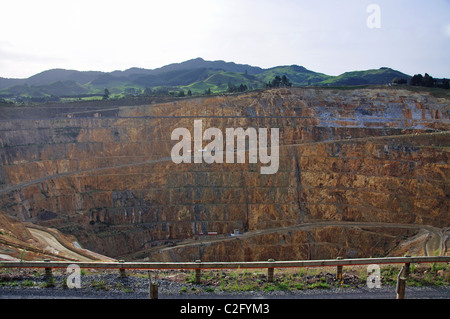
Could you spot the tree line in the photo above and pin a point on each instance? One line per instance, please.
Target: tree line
(426, 81)
(233, 88)
(279, 82)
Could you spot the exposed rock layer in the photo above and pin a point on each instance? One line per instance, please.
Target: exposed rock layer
(362, 156)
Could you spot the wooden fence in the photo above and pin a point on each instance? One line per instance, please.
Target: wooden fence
(270, 265)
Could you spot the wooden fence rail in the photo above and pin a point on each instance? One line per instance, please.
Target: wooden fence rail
(225, 265)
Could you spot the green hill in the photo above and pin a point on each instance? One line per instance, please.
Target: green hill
(196, 75)
(369, 77)
(298, 75)
(59, 88)
(220, 81)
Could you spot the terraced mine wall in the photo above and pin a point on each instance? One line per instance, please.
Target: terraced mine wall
(362, 173)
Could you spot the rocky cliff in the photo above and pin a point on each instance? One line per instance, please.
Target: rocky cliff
(362, 172)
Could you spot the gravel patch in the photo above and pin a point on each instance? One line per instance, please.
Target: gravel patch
(28, 284)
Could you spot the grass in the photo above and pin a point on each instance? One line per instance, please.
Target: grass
(251, 280)
(100, 285)
(218, 81)
(76, 99)
(436, 92)
(242, 280)
(319, 285)
(27, 283)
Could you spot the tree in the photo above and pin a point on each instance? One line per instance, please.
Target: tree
(231, 87)
(428, 81)
(189, 93)
(148, 92)
(416, 80)
(106, 94)
(181, 93)
(399, 81)
(161, 91)
(285, 81)
(130, 91)
(445, 84)
(279, 81)
(276, 82)
(243, 88)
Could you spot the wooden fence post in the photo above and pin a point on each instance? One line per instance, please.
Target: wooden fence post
(153, 287)
(48, 274)
(401, 283)
(407, 269)
(339, 271)
(270, 272)
(122, 270)
(198, 274)
(154, 291)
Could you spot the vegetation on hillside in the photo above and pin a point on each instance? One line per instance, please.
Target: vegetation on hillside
(429, 81)
(190, 78)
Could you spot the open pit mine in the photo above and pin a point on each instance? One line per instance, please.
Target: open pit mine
(361, 173)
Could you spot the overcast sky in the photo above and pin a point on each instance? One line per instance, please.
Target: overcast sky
(326, 36)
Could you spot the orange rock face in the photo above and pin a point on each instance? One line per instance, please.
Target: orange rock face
(360, 172)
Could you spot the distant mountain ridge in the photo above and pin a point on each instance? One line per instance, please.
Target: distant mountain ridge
(196, 75)
(197, 63)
